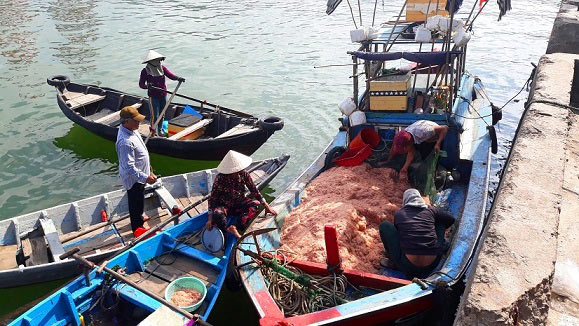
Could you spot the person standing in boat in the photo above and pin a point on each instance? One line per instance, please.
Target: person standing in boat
(415, 242)
(229, 208)
(154, 75)
(134, 167)
(422, 136)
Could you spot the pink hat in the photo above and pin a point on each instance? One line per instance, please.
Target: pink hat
(401, 141)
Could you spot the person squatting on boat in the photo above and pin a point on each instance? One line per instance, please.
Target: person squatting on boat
(134, 167)
(154, 75)
(415, 242)
(229, 207)
(422, 136)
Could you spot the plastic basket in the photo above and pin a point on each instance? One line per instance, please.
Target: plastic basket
(186, 283)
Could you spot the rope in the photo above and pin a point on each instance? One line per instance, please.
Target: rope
(298, 293)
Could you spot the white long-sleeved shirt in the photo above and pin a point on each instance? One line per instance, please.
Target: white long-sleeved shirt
(134, 165)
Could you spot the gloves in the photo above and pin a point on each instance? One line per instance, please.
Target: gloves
(181, 79)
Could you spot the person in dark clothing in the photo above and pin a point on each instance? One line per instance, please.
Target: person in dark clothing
(415, 242)
(228, 199)
(154, 75)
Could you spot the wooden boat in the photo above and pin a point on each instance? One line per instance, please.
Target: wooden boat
(31, 244)
(210, 138)
(389, 297)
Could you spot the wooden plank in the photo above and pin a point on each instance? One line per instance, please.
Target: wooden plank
(237, 130)
(52, 238)
(150, 282)
(86, 99)
(164, 316)
(195, 268)
(8, 257)
(170, 273)
(191, 129)
(114, 116)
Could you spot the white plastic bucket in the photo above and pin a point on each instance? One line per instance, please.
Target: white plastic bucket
(347, 106)
(357, 118)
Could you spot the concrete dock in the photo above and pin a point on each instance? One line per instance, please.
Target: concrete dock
(533, 224)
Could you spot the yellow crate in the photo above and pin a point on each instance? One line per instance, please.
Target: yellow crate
(416, 9)
(389, 93)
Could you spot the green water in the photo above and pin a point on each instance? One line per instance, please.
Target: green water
(250, 55)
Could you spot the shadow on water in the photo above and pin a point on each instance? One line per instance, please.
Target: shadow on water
(85, 145)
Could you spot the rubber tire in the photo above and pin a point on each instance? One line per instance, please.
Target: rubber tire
(232, 277)
(497, 114)
(494, 141)
(58, 80)
(333, 154)
(271, 123)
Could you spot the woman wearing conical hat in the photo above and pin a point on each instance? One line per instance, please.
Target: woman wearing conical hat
(229, 207)
(154, 75)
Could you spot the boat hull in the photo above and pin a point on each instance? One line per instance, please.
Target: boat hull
(469, 150)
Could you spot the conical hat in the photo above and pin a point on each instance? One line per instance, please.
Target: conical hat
(233, 162)
(152, 55)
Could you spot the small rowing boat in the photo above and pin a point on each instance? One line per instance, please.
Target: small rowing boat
(195, 132)
(30, 244)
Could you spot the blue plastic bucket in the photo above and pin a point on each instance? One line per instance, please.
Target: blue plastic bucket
(186, 283)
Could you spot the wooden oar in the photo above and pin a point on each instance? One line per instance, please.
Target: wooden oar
(73, 253)
(152, 116)
(169, 220)
(162, 114)
(241, 114)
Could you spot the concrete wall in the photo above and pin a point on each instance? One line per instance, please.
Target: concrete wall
(534, 221)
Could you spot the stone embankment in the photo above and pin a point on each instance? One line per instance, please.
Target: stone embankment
(534, 221)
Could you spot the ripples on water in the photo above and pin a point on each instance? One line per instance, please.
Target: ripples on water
(257, 56)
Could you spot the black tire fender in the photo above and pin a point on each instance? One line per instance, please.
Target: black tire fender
(497, 114)
(58, 80)
(271, 123)
(494, 141)
(332, 155)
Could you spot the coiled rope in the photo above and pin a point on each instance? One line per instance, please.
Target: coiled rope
(297, 293)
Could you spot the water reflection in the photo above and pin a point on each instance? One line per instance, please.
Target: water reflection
(78, 23)
(85, 146)
(17, 39)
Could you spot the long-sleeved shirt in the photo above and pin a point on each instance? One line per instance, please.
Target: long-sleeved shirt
(229, 189)
(157, 81)
(133, 156)
(416, 229)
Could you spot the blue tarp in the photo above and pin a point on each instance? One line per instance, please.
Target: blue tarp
(427, 58)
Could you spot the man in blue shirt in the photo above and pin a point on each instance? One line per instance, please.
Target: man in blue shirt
(134, 166)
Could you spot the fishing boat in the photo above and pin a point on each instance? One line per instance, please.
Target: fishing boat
(197, 132)
(436, 87)
(31, 244)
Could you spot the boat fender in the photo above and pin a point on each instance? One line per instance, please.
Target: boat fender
(271, 123)
(333, 154)
(494, 141)
(58, 80)
(232, 278)
(497, 114)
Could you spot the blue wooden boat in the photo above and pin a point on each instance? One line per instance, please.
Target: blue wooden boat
(175, 252)
(390, 296)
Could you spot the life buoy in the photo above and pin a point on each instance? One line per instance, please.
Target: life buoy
(58, 80)
(494, 141)
(332, 155)
(271, 123)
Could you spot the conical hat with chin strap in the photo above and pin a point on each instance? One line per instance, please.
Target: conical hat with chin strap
(152, 55)
(233, 162)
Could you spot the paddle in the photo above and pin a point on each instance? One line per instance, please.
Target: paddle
(241, 114)
(73, 253)
(162, 114)
(152, 115)
(163, 224)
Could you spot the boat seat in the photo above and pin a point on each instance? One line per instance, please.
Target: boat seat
(76, 100)
(191, 129)
(237, 130)
(114, 117)
(56, 248)
(8, 257)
